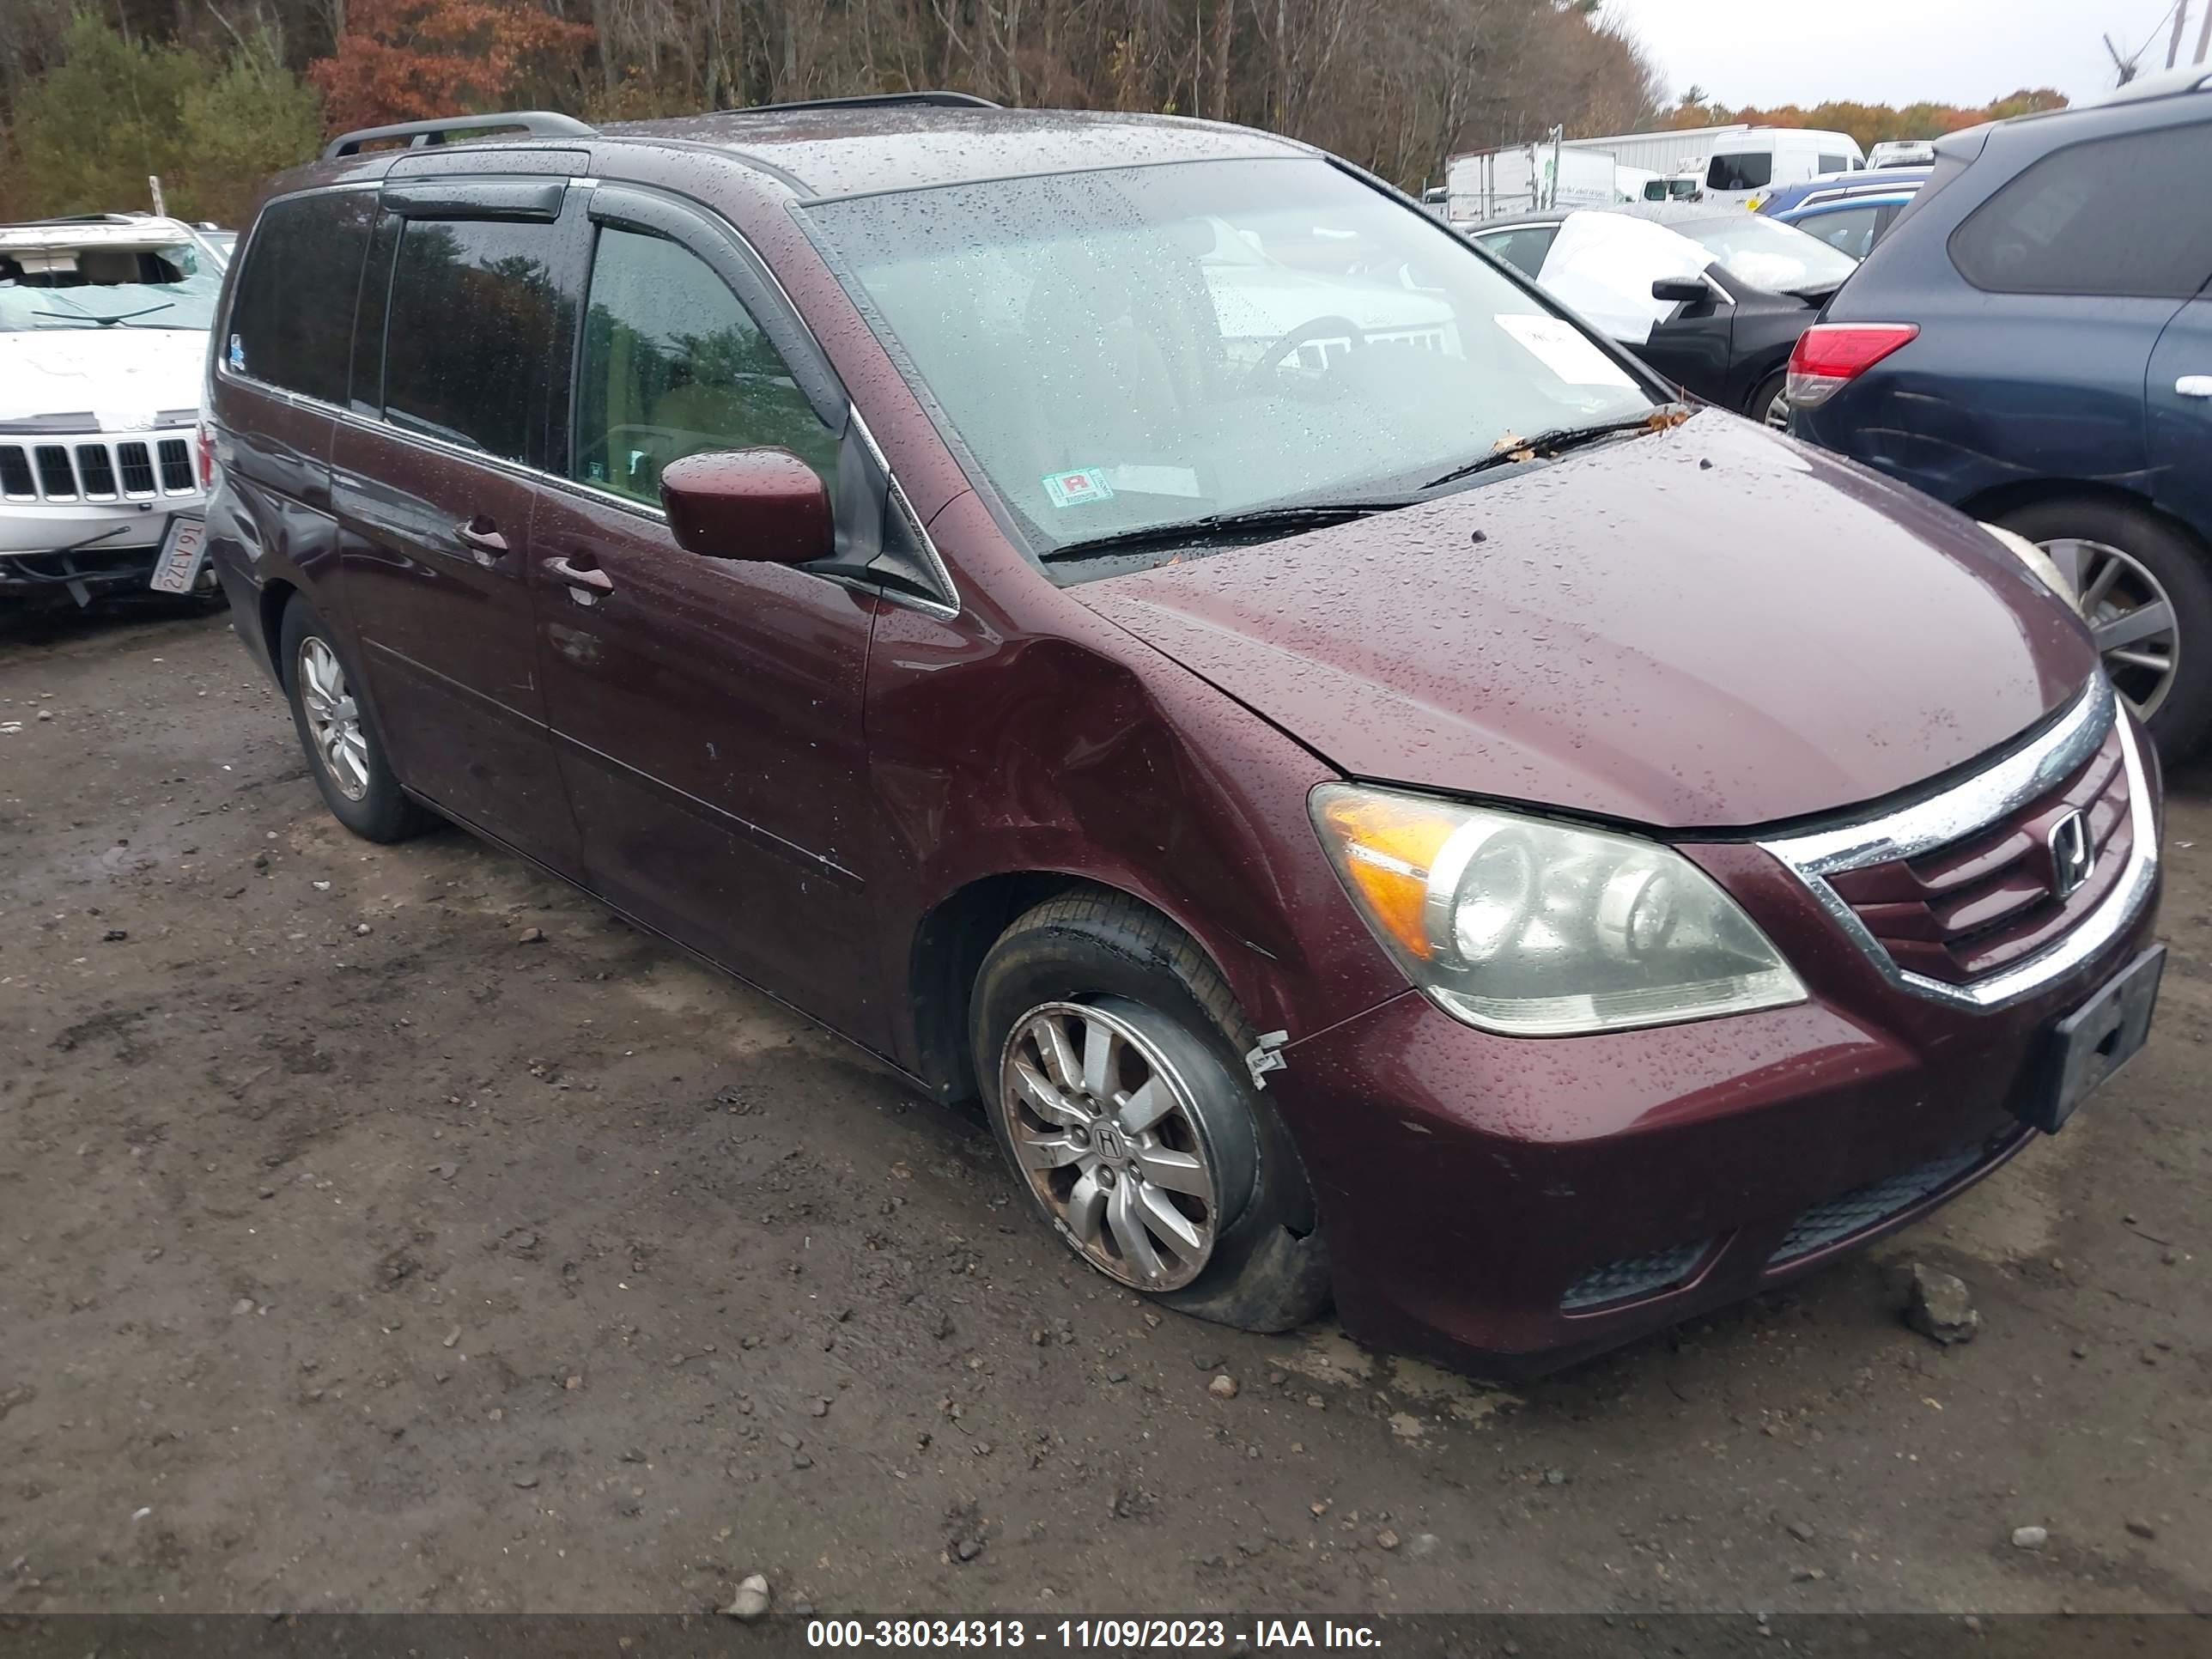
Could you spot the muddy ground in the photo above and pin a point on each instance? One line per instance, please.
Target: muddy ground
(356, 1253)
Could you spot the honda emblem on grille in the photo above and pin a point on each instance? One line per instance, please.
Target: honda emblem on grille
(2073, 859)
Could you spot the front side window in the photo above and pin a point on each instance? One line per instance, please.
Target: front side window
(673, 365)
(291, 317)
(1128, 350)
(1752, 170)
(467, 339)
(2116, 216)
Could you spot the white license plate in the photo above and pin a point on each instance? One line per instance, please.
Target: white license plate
(184, 550)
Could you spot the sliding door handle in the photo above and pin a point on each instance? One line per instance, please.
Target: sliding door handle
(597, 580)
(482, 534)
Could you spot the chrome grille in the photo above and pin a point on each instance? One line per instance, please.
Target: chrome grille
(1633, 1276)
(1998, 955)
(1987, 900)
(97, 470)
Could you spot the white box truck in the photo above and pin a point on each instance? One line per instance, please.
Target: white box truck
(1687, 150)
(1493, 184)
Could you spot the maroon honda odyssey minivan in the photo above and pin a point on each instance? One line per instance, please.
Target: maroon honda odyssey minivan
(1131, 619)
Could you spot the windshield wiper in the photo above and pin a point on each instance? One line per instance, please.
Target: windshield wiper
(95, 316)
(1314, 516)
(1558, 441)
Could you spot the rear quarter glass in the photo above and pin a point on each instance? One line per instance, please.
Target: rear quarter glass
(291, 322)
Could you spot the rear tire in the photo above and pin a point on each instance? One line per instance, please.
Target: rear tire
(1770, 404)
(345, 752)
(1231, 1235)
(2128, 563)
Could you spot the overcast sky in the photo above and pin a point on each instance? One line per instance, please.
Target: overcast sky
(1895, 51)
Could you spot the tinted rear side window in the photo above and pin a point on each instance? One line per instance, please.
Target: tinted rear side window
(468, 344)
(291, 321)
(2112, 216)
(1753, 170)
(1834, 164)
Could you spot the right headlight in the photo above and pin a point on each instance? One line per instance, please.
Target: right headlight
(1519, 924)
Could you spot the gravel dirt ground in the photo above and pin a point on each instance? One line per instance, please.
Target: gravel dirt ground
(393, 1228)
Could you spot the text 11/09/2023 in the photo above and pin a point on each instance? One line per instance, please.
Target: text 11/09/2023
(1090, 1634)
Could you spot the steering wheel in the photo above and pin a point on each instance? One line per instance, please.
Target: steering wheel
(1317, 328)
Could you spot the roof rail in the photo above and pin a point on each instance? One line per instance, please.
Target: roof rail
(874, 101)
(531, 123)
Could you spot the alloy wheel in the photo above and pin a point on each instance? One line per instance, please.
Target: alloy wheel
(2130, 615)
(333, 719)
(1778, 412)
(1107, 1134)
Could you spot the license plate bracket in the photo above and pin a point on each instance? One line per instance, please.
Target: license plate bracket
(2086, 1048)
(184, 551)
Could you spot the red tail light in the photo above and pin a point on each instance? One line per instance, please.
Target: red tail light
(203, 453)
(1830, 354)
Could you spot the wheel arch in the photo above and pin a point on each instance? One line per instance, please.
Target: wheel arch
(953, 936)
(2015, 493)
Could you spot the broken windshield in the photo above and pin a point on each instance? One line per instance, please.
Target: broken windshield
(57, 288)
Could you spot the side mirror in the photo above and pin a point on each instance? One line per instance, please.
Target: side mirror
(1681, 290)
(765, 506)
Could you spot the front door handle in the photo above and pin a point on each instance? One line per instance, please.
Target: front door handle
(597, 580)
(2194, 386)
(481, 532)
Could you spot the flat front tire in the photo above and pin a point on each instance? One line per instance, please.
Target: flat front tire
(1107, 1050)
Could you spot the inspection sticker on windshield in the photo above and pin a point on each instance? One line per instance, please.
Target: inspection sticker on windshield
(1075, 488)
(1561, 348)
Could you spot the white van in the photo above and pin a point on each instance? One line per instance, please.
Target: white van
(1746, 165)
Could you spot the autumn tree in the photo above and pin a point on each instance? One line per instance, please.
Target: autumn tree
(407, 60)
(1869, 124)
(211, 128)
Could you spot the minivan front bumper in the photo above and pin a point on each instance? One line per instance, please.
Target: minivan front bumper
(1512, 1205)
(1513, 1213)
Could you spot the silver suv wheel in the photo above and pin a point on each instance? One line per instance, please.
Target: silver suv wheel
(1106, 1132)
(2130, 613)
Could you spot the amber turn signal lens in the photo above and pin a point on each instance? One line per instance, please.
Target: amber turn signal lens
(1389, 846)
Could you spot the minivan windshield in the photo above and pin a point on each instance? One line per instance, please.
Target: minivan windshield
(1769, 254)
(1155, 346)
(164, 287)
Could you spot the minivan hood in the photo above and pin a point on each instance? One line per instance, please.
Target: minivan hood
(123, 376)
(1709, 628)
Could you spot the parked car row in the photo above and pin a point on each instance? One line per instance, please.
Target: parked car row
(2024, 333)
(2031, 343)
(1714, 299)
(1132, 622)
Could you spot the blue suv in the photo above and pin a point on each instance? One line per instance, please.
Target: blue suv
(2031, 343)
(1847, 210)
